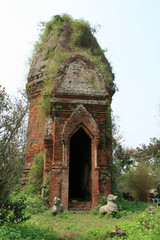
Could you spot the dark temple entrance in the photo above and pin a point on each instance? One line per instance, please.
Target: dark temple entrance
(80, 167)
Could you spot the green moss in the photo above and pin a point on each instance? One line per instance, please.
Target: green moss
(49, 53)
(54, 26)
(91, 78)
(56, 62)
(78, 109)
(103, 67)
(48, 84)
(45, 103)
(42, 67)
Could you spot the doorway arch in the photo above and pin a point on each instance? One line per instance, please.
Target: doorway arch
(80, 166)
(80, 122)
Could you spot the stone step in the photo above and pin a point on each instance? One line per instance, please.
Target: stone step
(80, 206)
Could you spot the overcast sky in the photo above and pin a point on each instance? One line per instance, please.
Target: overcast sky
(130, 30)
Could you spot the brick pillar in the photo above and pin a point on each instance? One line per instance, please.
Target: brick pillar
(95, 187)
(95, 173)
(55, 184)
(65, 187)
(48, 143)
(65, 174)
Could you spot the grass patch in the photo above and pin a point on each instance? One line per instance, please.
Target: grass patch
(137, 223)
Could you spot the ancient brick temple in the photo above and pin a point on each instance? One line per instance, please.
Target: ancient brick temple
(73, 135)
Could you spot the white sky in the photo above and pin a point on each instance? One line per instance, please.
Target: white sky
(130, 30)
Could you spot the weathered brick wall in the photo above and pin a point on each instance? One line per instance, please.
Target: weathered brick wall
(61, 115)
(76, 101)
(35, 136)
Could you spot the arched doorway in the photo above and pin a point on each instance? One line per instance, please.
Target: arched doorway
(80, 167)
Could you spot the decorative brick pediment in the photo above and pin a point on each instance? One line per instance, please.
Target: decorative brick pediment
(80, 118)
(79, 76)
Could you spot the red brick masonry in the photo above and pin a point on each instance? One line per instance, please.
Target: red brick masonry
(76, 103)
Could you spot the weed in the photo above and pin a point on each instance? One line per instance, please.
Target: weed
(42, 67)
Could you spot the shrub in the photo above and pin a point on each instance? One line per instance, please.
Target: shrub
(149, 220)
(13, 211)
(81, 36)
(140, 181)
(13, 116)
(35, 178)
(34, 205)
(132, 206)
(102, 201)
(26, 231)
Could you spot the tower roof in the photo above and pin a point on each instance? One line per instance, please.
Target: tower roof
(61, 38)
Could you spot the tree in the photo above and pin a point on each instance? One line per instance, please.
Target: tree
(150, 155)
(126, 161)
(139, 181)
(122, 158)
(13, 116)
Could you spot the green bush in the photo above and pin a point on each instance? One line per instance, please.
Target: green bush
(26, 231)
(134, 206)
(35, 205)
(149, 220)
(31, 195)
(35, 178)
(102, 201)
(13, 211)
(33, 202)
(139, 181)
(128, 207)
(82, 35)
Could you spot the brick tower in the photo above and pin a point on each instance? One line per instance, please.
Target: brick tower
(72, 134)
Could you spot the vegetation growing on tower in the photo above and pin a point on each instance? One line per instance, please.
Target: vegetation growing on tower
(61, 38)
